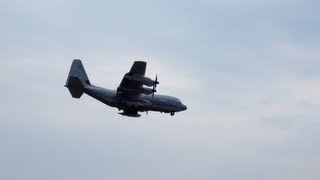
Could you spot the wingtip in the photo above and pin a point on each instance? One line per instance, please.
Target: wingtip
(140, 62)
(77, 60)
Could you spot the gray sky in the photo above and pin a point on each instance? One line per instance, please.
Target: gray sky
(248, 71)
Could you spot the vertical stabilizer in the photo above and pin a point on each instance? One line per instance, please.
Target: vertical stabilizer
(77, 79)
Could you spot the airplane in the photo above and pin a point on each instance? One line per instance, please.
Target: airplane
(131, 96)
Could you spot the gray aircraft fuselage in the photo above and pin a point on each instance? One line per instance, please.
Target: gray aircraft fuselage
(131, 96)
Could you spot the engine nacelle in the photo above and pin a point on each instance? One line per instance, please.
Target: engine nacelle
(147, 91)
(142, 90)
(142, 79)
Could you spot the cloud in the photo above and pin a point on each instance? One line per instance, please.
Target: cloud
(247, 71)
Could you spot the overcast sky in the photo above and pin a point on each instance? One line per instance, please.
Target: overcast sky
(249, 72)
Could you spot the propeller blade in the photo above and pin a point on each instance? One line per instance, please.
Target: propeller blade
(156, 81)
(155, 85)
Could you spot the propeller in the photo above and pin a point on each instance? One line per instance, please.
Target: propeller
(156, 81)
(155, 85)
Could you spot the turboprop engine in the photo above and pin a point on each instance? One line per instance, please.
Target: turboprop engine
(142, 90)
(143, 80)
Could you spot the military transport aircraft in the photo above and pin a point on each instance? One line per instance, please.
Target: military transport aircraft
(131, 95)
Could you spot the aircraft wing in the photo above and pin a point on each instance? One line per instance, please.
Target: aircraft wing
(130, 87)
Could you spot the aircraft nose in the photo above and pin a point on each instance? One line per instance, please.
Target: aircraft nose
(184, 107)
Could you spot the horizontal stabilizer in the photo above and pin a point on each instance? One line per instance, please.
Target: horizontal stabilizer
(75, 87)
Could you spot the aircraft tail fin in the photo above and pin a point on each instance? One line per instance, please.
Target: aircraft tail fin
(77, 79)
